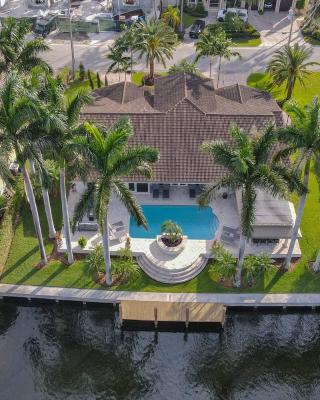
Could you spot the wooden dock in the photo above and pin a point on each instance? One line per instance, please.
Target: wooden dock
(160, 311)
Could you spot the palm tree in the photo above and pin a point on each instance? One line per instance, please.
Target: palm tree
(119, 62)
(127, 42)
(19, 110)
(249, 167)
(110, 156)
(16, 51)
(214, 42)
(171, 17)
(303, 136)
(157, 42)
(184, 66)
(250, 4)
(290, 64)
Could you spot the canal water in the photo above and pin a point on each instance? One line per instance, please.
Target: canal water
(64, 352)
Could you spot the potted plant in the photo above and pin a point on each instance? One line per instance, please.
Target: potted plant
(82, 242)
(171, 234)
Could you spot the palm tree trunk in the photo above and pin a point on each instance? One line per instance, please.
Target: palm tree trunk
(151, 70)
(47, 209)
(131, 61)
(302, 202)
(106, 251)
(65, 213)
(46, 202)
(316, 265)
(290, 89)
(219, 71)
(242, 247)
(34, 212)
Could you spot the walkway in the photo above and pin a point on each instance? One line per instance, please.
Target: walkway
(108, 296)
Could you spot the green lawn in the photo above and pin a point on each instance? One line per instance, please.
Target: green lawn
(188, 20)
(24, 255)
(138, 76)
(246, 42)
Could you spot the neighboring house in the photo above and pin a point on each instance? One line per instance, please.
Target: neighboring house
(180, 114)
(277, 5)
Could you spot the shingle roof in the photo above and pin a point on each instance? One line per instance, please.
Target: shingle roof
(184, 112)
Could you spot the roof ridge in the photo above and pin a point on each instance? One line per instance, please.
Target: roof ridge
(240, 95)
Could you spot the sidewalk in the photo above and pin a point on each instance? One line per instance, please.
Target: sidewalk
(109, 296)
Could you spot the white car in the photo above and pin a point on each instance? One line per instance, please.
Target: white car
(242, 12)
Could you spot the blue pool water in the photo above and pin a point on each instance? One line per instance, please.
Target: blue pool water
(196, 223)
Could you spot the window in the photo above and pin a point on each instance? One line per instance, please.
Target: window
(139, 187)
(142, 187)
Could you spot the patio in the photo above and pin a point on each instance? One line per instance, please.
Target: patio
(172, 268)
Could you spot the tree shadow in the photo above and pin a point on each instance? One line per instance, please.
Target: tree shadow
(21, 260)
(274, 280)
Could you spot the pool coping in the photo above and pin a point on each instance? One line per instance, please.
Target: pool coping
(253, 300)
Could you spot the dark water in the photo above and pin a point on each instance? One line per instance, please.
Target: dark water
(67, 352)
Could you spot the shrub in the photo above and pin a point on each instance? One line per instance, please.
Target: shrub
(171, 231)
(82, 242)
(125, 266)
(98, 80)
(225, 263)
(300, 4)
(255, 266)
(95, 260)
(3, 205)
(90, 79)
(82, 72)
(234, 23)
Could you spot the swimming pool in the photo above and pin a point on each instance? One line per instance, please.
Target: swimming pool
(196, 223)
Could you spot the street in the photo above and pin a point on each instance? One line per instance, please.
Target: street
(92, 53)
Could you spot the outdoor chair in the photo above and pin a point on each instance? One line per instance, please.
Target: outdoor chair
(117, 230)
(87, 226)
(166, 193)
(192, 192)
(156, 193)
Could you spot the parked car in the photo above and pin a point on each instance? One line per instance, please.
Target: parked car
(268, 4)
(197, 28)
(243, 13)
(104, 16)
(45, 24)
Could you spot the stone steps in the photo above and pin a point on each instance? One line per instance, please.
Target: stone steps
(175, 275)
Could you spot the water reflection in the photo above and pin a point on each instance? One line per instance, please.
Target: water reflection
(68, 352)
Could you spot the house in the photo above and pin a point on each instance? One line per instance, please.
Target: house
(176, 117)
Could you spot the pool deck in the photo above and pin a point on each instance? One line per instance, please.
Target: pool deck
(245, 300)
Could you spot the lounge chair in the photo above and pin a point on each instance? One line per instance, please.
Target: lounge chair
(87, 226)
(117, 230)
(192, 191)
(166, 193)
(156, 193)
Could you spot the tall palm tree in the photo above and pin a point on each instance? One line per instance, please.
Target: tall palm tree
(19, 110)
(110, 156)
(290, 64)
(303, 136)
(157, 42)
(249, 167)
(127, 42)
(213, 42)
(60, 103)
(171, 16)
(16, 51)
(119, 62)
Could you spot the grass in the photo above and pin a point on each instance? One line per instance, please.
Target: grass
(311, 40)
(246, 42)
(188, 20)
(138, 76)
(24, 255)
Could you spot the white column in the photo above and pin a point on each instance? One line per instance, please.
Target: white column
(277, 9)
(243, 3)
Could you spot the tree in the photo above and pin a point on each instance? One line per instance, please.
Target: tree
(90, 79)
(171, 17)
(184, 66)
(19, 111)
(290, 64)
(119, 62)
(250, 4)
(214, 42)
(82, 72)
(157, 42)
(64, 153)
(127, 42)
(249, 167)
(234, 22)
(16, 51)
(98, 80)
(110, 156)
(302, 137)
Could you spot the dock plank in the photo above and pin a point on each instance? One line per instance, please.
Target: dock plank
(132, 310)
